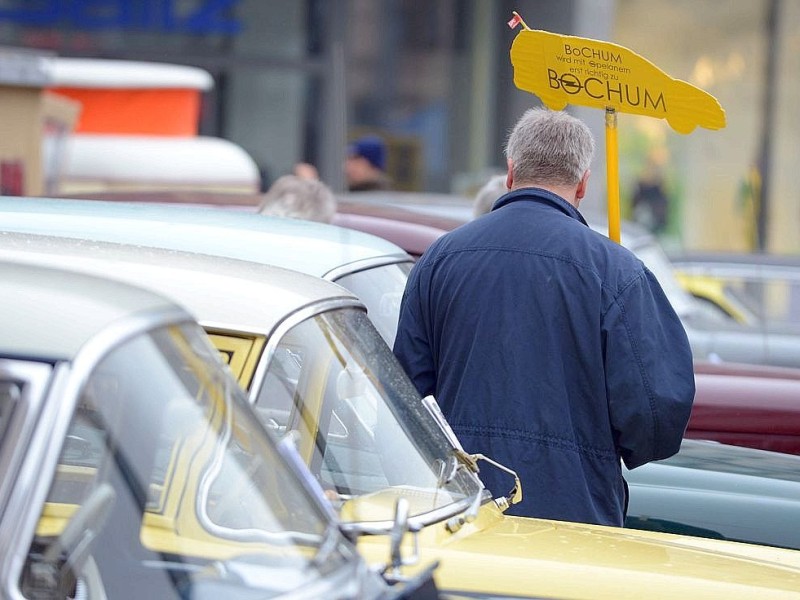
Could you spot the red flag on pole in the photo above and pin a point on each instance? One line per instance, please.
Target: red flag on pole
(515, 20)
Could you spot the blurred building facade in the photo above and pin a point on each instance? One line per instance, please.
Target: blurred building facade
(295, 80)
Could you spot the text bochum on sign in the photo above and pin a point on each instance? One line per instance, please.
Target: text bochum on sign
(563, 70)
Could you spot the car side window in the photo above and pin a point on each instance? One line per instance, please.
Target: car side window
(276, 398)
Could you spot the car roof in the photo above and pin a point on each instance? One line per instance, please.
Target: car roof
(220, 292)
(414, 238)
(745, 369)
(761, 259)
(50, 314)
(447, 211)
(315, 248)
(708, 455)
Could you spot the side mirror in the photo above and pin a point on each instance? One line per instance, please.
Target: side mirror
(515, 495)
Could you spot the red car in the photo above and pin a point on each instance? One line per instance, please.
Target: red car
(412, 231)
(747, 405)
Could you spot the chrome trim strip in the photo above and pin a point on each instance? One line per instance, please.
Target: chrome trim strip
(34, 378)
(415, 523)
(210, 472)
(30, 488)
(367, 263)
(290, 320)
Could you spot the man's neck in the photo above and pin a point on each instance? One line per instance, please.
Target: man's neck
(564, 191)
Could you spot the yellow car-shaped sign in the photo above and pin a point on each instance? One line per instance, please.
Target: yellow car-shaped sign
(562, 69)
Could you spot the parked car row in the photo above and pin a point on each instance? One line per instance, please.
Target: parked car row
(319, 373)
(127, 452)
(737, 402)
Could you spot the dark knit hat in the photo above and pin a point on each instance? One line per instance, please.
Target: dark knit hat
(370, 147)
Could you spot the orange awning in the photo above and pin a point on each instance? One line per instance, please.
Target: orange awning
(171, 112)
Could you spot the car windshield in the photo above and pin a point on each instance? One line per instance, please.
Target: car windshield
(168, 487)
(381, 290)
(334, 386)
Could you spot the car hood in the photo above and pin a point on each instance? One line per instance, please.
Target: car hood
(512, 555)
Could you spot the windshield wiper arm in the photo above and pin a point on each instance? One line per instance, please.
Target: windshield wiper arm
(330, 542)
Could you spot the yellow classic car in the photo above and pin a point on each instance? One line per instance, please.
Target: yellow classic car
(759, 289)
(714, 292)
(318, 373)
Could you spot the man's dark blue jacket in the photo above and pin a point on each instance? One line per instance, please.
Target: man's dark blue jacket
(552, 350)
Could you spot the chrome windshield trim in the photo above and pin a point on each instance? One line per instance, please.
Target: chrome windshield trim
(416, 522)
(35, 377)
(25, 447)
(367, 263)
(210, 473)
(289, 321)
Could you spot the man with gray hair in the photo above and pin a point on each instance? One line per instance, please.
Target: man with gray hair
(299, 198)
(550, 348)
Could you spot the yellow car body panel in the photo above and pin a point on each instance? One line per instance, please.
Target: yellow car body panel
(499, 554)
(563, 69)
(240, 354)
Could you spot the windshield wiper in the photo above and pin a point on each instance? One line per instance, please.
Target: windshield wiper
(470, 462)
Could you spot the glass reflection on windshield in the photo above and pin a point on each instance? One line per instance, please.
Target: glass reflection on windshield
(381, 290)
(335, 387)
(179, 475)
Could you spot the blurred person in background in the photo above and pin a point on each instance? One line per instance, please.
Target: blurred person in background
(650, 201)
(365, 165)
(299, 198)
(488, 195)
(548, 346)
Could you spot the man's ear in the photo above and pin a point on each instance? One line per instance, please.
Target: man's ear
(583, 185)
(510, 174)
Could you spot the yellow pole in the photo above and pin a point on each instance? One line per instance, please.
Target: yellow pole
(612, 175)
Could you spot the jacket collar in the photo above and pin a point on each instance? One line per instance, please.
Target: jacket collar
(542, 196)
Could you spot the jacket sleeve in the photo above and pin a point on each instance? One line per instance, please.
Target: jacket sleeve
(411, 345)
(649, 373)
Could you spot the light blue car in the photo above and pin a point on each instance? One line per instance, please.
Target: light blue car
(371, 267)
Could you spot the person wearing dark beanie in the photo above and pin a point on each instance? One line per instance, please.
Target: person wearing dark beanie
(365, 165)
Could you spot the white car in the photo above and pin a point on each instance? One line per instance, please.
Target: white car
(374, 269)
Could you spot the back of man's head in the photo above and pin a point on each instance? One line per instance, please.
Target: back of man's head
(488, 195)
(299, 198)
(549, 148)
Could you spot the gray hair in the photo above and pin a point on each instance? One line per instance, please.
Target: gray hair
(299, 198)
(549, 147)
(488, 195)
